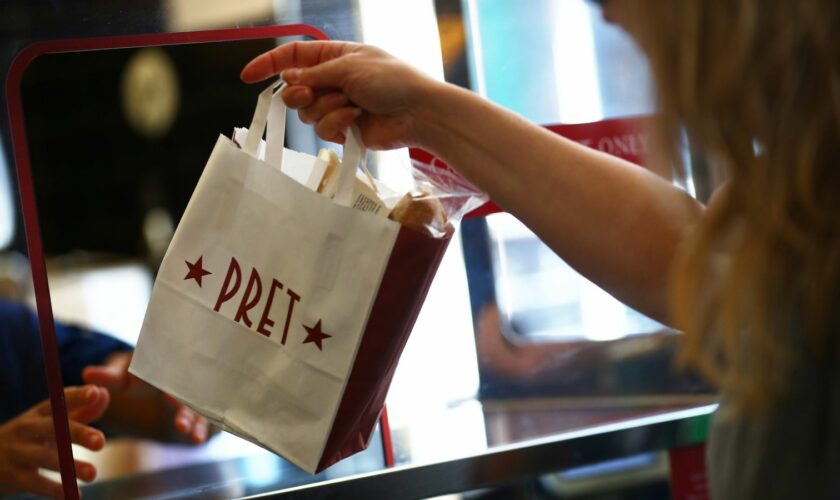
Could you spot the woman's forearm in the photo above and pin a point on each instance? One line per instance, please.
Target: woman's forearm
(617, 224)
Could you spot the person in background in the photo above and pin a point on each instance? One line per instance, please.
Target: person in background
(752, 278)
(98, 390)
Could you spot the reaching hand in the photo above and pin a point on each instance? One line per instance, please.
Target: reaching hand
(27, 442)
(332, 84)
(127, 388)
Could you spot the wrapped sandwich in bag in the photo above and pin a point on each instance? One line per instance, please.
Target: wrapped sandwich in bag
(290, 288)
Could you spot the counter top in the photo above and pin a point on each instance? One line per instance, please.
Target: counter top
(619, 433)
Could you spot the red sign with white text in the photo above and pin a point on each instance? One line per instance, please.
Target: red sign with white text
(626, 138)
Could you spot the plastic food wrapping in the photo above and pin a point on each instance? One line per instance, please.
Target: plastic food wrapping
(438, 199)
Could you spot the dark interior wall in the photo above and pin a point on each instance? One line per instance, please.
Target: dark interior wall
(96, 176)
(23, 22)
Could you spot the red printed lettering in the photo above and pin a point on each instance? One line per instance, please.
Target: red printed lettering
(225, 294)
(293, 297)
(250, 300)
(265, 320)
(247, 303)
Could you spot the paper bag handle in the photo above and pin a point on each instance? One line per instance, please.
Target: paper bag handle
(275, 133)
(354, 152)
(269, 118)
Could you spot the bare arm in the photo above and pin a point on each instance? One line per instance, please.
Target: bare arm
(617, 224)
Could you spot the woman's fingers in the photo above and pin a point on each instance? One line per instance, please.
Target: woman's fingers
(329, 111)
(333, 124)
(297, 96)
(333, 74)
(293, 55)
(322, 105)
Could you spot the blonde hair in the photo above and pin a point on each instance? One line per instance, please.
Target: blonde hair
(755, 84)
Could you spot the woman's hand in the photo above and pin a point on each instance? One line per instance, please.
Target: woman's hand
(27, 442)
(555, 186)
(134, 402)
(332, 84)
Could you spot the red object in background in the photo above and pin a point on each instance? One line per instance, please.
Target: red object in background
(626, 138)
(30, 214)
(688, 473)
(387, 444)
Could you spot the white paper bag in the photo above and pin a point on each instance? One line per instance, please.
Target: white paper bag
(279, 313)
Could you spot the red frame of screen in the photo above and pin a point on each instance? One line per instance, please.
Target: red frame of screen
(29, 210)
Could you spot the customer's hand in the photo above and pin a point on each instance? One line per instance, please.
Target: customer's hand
(332, 84)
(133, 394)
(27, 442)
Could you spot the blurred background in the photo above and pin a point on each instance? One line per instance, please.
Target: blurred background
(511, 344)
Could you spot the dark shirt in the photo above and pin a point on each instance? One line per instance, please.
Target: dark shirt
(23, 381)
(791, 449)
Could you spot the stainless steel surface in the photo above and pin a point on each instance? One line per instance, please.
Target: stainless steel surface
(496, 465)
(526, 459)
(231, 478)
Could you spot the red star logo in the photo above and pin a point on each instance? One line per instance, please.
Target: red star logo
(196, 271)
(315, 335)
